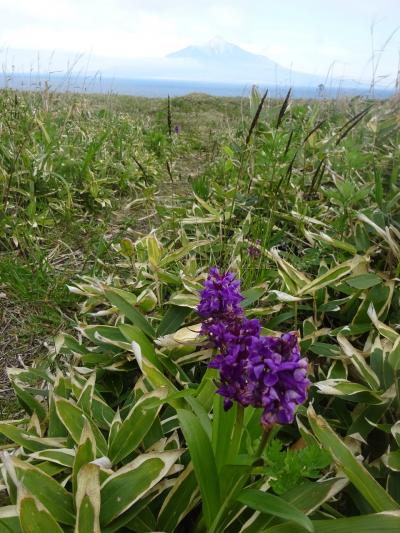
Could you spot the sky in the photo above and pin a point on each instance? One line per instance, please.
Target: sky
(315, 36)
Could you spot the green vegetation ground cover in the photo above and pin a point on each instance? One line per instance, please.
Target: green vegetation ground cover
(109, 222)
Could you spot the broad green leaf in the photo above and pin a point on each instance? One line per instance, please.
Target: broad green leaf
(73, 419)
(28, 440)
(363, 369)
(136, 425)
(252, 295)
(385, 330)
(203, 460)
(88, 500)
(394, 356)
(115, 425)
(28, 402)
(129, 311)
(265, 502)
(226, 432)
(172, 320)
(351, 391)
(331, 276)
(132, 482)
(9, 477)
(72, 344)
(185, 250)
(392, 460)
(372, 491)
(364, 281)
(147, 301)
(86, 396)
(47, 490)
(35, 518)
(385, 522)
(154, 375)
(9, 519)
(185, 299)
(85, 453)
(293, 278)
(188, 336)
(179, 501)
(133, 333)
(308, 497)
(63, 456)
(285, 297)
(206, 390)
(324, 237)
(395, 431)
(154, 249)
(56, 428)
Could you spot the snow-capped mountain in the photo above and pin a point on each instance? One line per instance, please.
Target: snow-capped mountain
(219, 60)
(216, 49)
(215, 61)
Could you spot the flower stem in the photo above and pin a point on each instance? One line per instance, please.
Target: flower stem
(269, 433)
(237, 431)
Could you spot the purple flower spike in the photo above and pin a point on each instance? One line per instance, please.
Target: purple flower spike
(277, 377)
(221, 296)
(266, 372)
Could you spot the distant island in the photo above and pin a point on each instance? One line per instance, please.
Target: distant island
(216, 67)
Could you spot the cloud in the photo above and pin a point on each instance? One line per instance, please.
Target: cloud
(308, 38)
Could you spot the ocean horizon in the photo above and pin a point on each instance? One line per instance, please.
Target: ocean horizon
(161, 88)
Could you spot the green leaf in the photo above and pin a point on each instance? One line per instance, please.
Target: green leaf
(9, 520)
(331, 276)
(203, 460)
(136, 425)
(179, 501)
(353, 392)
(392, 460)
(86, 396)
(153, 249)
(63, 456)
(359, 362)
(133, 333)
(47, 490)
(308, 497)
(265, 502)
(28, 440)
(185, 299)
(178, 254)
(364, 281)
(394, 356)
(132, 482)
(252, 295)
(35, 518)
(388, 522)
(156, 377)
(73, 419)
(172, 320)
(29, 403)
(223, 433)
(129, 311)
(372, 491)
(85, 453)
(88, 500)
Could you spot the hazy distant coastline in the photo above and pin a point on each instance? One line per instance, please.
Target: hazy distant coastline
(159, 88)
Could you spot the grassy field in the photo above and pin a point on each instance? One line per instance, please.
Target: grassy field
(112, 211)
(79, 173)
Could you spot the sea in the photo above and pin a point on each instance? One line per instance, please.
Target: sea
(161, 88)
